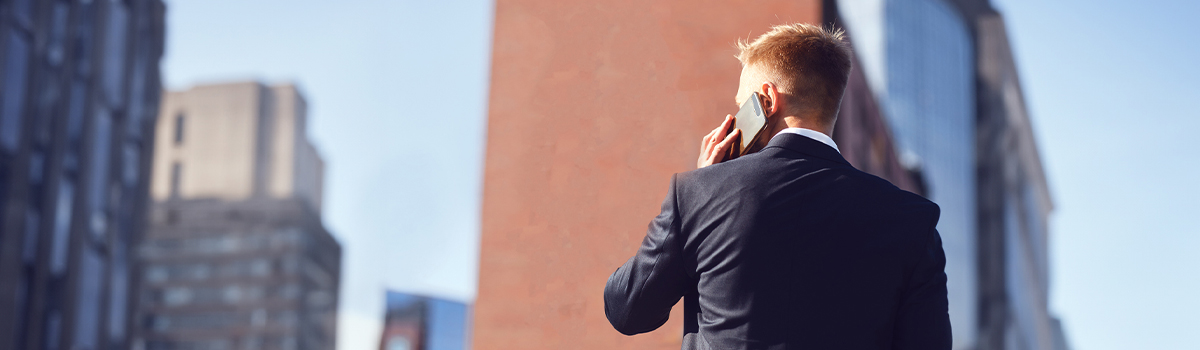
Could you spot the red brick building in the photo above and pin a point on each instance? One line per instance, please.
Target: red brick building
(593, 105)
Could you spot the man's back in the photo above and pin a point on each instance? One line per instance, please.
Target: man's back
(788, 248)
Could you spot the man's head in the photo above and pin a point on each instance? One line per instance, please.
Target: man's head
(800, 70)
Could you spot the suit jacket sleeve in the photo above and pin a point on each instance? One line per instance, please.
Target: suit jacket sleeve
(924, 321)
(639, 295)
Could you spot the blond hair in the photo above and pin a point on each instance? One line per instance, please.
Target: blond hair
(807, 61)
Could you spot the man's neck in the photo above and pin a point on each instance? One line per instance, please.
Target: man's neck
(797, 122)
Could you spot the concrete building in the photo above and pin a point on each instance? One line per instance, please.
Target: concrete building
(80, 89)
(945, 70)
(234, 142)
(236, 256)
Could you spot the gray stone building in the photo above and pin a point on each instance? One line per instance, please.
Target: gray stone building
(80, 87)
(236, 255)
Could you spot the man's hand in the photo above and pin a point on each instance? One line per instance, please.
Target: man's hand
(715, 146)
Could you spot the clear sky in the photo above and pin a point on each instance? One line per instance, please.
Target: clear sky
(397, 93)
(397, 96)
(1113, 88)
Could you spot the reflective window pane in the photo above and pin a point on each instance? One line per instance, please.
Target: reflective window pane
(75, 111)
(137, 91)
(129, 160)
(15, 74)
(23, 11)
(56, 49)
(85, 28)
(99, 163)
(62, 226)
(118, 297)
(87, 315)
(114, 53)
(32, 225)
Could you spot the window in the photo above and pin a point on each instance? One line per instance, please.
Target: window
(176, 296)
(398, 342)
(15, 69)
(87, 317)
(58, 34)
(62, 226)
(118, 296)
(23, 11)
(129, 164)
(52, 331)
(198, 321)
(137, 91)
(176, 173)
(204, 245)
(75, 110)
(156, 274)
(114, 53)
(179, 118)
(85, 28)
(37, 167)
(98, 188)
(32, 220)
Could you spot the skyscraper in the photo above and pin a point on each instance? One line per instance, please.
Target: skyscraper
(80, 89)
(945, 72)
(922, 72)
(236, 255)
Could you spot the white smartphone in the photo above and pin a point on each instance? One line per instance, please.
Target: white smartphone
(751, 120)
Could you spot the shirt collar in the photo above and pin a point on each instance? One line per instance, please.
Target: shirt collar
(812, 134)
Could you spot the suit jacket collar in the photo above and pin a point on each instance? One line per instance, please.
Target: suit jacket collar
(803, 144)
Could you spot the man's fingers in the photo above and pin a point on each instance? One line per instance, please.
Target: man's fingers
(715, 145)
(706, 141)
(720, 132)
(723, 147)
(710, 141)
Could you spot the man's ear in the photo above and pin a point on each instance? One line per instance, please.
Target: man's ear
(770, 98)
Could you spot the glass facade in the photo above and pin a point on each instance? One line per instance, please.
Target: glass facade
(414, 322)
(918, 56)
(929, 102)
(16, 67)
(72, 166)
(945, 75)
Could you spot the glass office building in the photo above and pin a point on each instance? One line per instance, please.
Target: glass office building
(414, 322)
(922, 67)
(944, 73)
(77, 102)
(930, 103)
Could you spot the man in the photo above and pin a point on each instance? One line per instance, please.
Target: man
(788, 247)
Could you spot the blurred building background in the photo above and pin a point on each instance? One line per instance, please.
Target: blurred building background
(80, 89)
(236, 255)
(945, 72)
(933, 105)
(414, 322)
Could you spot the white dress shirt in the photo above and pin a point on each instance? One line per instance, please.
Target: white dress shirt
(812, 134)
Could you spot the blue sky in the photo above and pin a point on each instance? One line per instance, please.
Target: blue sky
(1112, 87)
(397, 97)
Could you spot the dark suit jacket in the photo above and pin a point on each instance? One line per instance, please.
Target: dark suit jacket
(788, 248)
